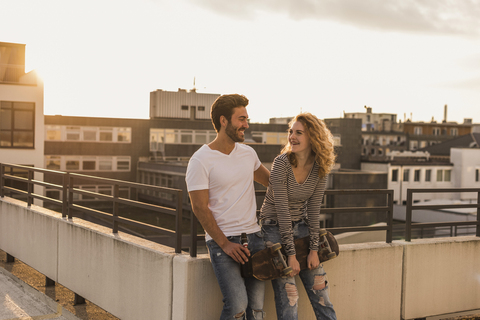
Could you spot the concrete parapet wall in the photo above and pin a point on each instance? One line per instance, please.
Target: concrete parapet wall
(133, 278)
(441, 276)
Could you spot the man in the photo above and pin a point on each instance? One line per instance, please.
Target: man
(220, 179)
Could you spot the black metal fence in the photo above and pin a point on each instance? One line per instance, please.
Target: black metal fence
(115, 216)
(452, 225)
(68, 191)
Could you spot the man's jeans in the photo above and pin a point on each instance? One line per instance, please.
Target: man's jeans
(286, 293)
(242, 297)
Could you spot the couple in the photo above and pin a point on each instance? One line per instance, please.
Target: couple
(220, 179)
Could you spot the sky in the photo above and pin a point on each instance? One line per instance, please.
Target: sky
(102, 58)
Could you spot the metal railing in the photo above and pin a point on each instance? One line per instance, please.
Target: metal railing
(68, 206)
(409, 225)
(388, 209)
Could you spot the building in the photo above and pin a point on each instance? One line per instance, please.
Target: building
(21, 110)
(451, 164)
(424, 134)
(381, 133)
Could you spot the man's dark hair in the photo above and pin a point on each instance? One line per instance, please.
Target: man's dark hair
(224, 106)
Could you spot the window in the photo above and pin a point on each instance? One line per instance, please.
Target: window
(201, 137)
(90, 135)
(72, 164)
(447, 175)
(73, 133)
(124, 134)
(201, 108)
(436, 131)
(417, 130)
(416, 175)
(186, 136)
(337, 139)
(477, 175)
(105, 164)
(406, 174)
(428, 175)
(123, 163)
(439, 175)
(394, 175)
(106, 134)
(89, 163)
(185, 108)
(54, 133)
(53, 163)
(17, 122)
(454, 132)
(413, 145)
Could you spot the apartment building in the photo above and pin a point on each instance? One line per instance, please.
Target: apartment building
(21, 111)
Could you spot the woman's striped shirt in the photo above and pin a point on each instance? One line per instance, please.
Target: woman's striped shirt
(288, 201)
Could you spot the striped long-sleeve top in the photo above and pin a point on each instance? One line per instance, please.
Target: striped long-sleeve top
(288, 201)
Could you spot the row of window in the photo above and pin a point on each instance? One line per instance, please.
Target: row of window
(158, 137)
(88, 134)
(444, 175)
(88, 163)
(436, 131)
(17, 124)
(157, 179)
(123, 192)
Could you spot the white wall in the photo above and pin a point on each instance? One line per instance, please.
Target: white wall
(465, 162)
(30, 92)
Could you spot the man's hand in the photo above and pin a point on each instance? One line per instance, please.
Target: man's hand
(235, 250)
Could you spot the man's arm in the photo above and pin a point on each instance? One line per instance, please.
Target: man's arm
(199, 200)
(261, 175)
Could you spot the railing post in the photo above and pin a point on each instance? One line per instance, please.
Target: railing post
(70, 197)
(29, 188)
(478, 214)
(116, 188)
(193, 235)
(65, 195)
(2, 180)
(178, 223)
(390, 216)
(408, 217)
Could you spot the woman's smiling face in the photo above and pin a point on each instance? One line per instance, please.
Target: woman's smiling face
(298, 138)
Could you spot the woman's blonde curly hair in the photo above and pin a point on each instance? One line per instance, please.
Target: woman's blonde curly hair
(321, 140)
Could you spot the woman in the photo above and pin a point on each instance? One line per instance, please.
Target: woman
(291, 210)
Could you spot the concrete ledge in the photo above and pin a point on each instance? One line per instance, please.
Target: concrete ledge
(133, 278)
(441, 276)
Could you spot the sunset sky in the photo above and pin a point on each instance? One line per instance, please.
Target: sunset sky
(103, 57)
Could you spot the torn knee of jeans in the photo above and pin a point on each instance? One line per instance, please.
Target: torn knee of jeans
(319, 282)
(240, 315)
(292, 293)
(258, 314)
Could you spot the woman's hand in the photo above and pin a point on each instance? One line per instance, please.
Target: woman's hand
(312, 260)
(293, 263)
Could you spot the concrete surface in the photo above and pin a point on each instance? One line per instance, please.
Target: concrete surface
(20, 301)
(17, 276)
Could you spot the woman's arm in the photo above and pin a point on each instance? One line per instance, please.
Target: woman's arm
(278, 179)
(313, 212)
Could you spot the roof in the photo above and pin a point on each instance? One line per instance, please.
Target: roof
(471, 140)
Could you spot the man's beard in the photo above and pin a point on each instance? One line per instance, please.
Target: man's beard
(232, 132)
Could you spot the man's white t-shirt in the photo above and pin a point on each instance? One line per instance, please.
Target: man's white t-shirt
(229, 180)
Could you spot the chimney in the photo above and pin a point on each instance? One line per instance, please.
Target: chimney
(445, 114)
